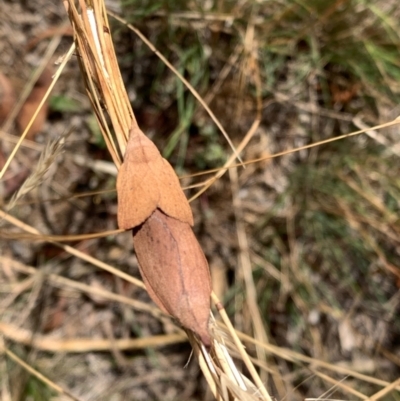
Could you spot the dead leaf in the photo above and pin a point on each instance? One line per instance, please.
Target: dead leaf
(7, 97)
(32, 103)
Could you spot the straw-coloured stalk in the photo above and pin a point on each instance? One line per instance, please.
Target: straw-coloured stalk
(100, 70)
(28, 109)
(164, 226)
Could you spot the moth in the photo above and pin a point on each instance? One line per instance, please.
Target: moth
(171, 261)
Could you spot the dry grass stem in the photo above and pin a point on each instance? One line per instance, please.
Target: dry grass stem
(297, 357)
(246, 268)
(339, 384)
(62, 282)
(28, 88)
(56, 238)
(221, 170)
(100, 69)
(14, 139)
(386, 390)
(182, 78)
(73, 251)
(56, 76)
(5, 385)
(84, 345)
(35, 373)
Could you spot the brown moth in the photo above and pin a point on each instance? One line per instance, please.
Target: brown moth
(146, 181)
(171, 261)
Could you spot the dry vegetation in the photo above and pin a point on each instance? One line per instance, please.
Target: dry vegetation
(303, 248)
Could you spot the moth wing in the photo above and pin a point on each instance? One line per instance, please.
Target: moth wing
(172, 201)
(136, 197)
(157, 254)
(175, 271)
(137, 187)
(193, 307)
(152, 292)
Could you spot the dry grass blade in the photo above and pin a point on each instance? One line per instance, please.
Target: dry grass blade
(296, 357)
(238, 346)
(71, 250)
(58, 238)
(23, 135)
(221, 171)
(236, 152)
(246, 268)
(386, 390)
(38, 375)
(229, 164)
(339, 384)
(5, 388)
(46, 58)
(60, 281)
(104, 87)
(83, 345)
